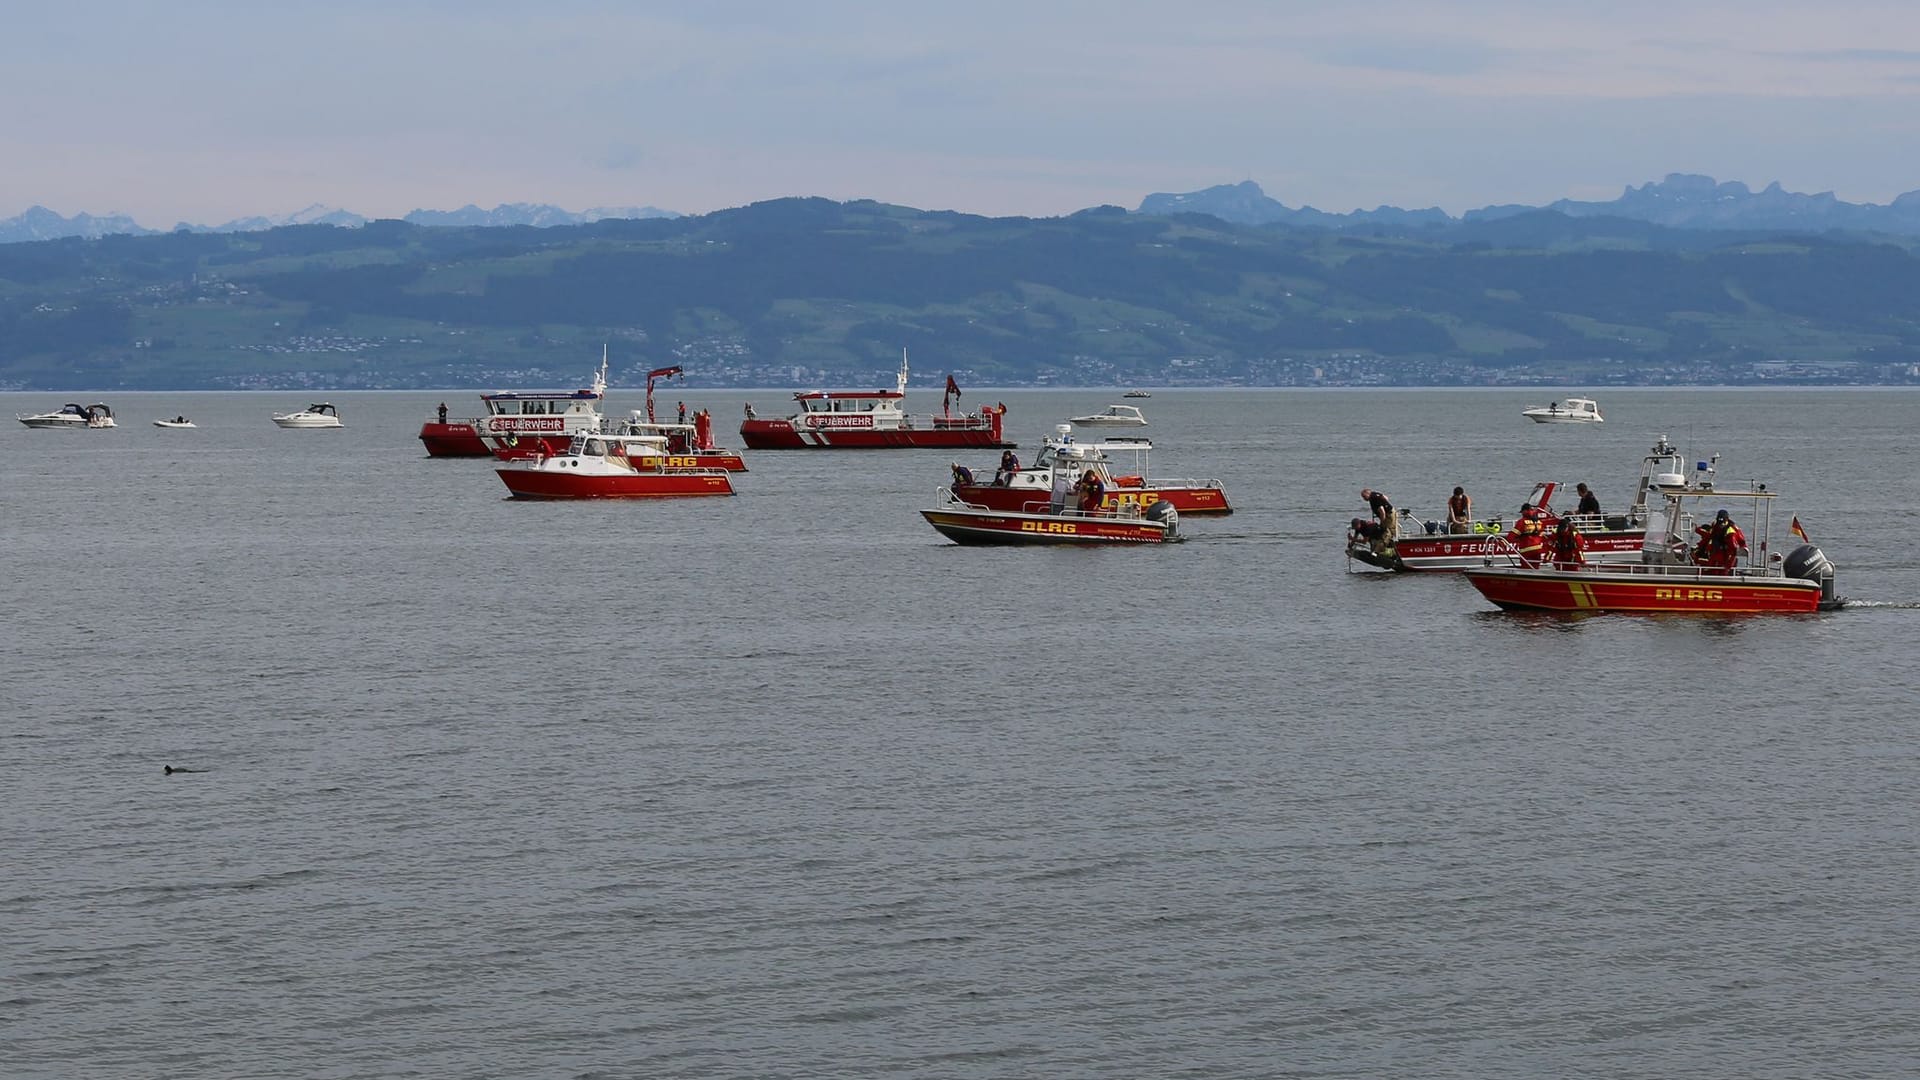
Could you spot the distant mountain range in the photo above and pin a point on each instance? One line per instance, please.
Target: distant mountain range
(1681, 201)
(40, 223)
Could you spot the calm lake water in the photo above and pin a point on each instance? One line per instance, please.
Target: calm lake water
(786, 785)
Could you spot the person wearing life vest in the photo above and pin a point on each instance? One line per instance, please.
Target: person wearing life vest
(1009, 464)
(1367, 531)
(1092, 491)
(1721, 544)
(962, 476)
(1529, 534)
(1567, 545)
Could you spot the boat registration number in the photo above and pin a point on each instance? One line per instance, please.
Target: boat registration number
(1686, 594)
(1049, 527)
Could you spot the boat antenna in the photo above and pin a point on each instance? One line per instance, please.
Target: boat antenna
(900, 385)
(600, 378)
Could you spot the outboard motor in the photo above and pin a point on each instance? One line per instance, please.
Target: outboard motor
(1163, 512)
(1809, 563)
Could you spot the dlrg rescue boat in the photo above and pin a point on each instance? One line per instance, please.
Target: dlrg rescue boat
(1052, 523)
(873, 419)
(1723, 574)
(690, 441)
(599, 466)
(1061, 464)
(1425, 545)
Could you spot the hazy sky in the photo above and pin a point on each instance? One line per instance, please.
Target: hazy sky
(206, 111)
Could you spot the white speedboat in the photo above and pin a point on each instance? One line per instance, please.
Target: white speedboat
(318, 415)
(176, 422)
(1136, 394)
(1115, 414)
(71, 415)
(1574, 410)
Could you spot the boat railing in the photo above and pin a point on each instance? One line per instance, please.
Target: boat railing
(1501, 549)
(943, 496)
(1151, 483)
(1412, 524)
(1590, 523)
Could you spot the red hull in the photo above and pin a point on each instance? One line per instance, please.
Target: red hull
(986, 528)
(956, 434)
(458, 438)
(541, 484)
(533, 447)
(1686, 593)
(1187, 500)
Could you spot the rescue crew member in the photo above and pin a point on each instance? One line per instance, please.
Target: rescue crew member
(1092, 491)
(1368, 531)
(683, 412)
(1567, 545)
(1529, 534)
(962, 476)
(443, 412)
(1589, 503)
(1460, 511)
(1721, 544)
(1382, 512)
(1009, 464)
(749, 410)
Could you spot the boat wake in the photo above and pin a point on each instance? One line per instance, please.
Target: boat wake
(1898, 605)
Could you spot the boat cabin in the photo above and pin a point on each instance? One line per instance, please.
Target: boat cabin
(848, 401)
(1114, 414)
(594, 444)
(541, 403)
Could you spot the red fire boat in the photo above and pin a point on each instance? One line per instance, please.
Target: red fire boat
(873, 419)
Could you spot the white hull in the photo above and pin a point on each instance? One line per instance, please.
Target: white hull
(1577, 410)
(172, 424)
(51, 422)
(308, 421)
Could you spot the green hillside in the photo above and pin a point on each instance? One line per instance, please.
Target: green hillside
(807, 291)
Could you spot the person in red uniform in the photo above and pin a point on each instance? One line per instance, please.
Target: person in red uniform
(1529, 533)
(1567, 545)
(1721, 544)
(1092, 491)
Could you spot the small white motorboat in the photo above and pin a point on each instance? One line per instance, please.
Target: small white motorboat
(176, 422)
(1575, 410)
(1114, 414)
(71, 415)
(1136, 394)
(318, 415)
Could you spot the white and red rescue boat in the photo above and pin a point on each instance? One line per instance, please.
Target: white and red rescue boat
(1724, 574)
(601, 466)
(872, 420)
(1062, 462)
(520, 423)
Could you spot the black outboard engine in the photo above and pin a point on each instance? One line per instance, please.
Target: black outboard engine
(1163, 512)
(1809, 563)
